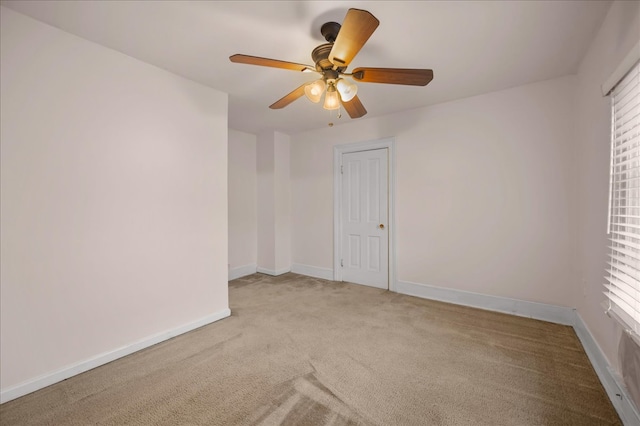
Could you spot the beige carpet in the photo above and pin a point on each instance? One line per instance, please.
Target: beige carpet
(303, 351)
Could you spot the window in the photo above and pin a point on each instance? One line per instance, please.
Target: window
(623, 274)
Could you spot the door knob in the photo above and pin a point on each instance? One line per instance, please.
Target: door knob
(381, 226)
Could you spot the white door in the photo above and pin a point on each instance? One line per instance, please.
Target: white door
(364, 214)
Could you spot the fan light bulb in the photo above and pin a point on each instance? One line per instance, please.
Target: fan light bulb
(314, 90)
(331, 99)
(346, 89)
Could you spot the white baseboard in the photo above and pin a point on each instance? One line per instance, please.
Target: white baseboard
(242, 271)
(551, 313)
(521, 308)
(556, 314)
(612, 383)
(272, 272)
(104, 358)
(312, 271)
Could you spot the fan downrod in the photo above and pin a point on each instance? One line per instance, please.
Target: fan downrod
(330, 31)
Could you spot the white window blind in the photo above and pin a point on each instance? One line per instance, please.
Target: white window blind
(623, 273)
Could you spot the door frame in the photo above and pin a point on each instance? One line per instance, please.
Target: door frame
(338, 150)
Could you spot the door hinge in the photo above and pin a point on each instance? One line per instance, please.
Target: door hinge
(341, 263)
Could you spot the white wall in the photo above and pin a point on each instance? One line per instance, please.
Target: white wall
(274, 203)
(243, 218)
(282, 194)
(618, 34)
(484, 196)
(113, 198)
(265, 166)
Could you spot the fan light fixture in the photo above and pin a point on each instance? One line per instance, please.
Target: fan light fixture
(331, 98)
(336, 91)
(314, 90)
(346, 89)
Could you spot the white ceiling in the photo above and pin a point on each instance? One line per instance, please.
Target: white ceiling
(473, 47)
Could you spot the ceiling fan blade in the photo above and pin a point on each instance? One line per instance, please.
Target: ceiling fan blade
(354, 108)
(411, 77)
(266, 62)
(356, 29)
(286, 100)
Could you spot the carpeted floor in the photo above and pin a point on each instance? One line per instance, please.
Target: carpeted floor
(303, 351)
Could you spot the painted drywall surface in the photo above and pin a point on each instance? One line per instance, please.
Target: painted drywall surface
(282, 206)
(484, 192)
(266, 201)
(113, 197)
(618, 34)
(274, 203)
(243, 244)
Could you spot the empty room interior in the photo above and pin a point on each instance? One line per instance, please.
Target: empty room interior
(318, 212)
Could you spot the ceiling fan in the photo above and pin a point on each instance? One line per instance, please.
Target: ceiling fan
(331, 61)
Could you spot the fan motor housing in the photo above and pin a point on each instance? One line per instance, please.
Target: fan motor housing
(320, 56)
